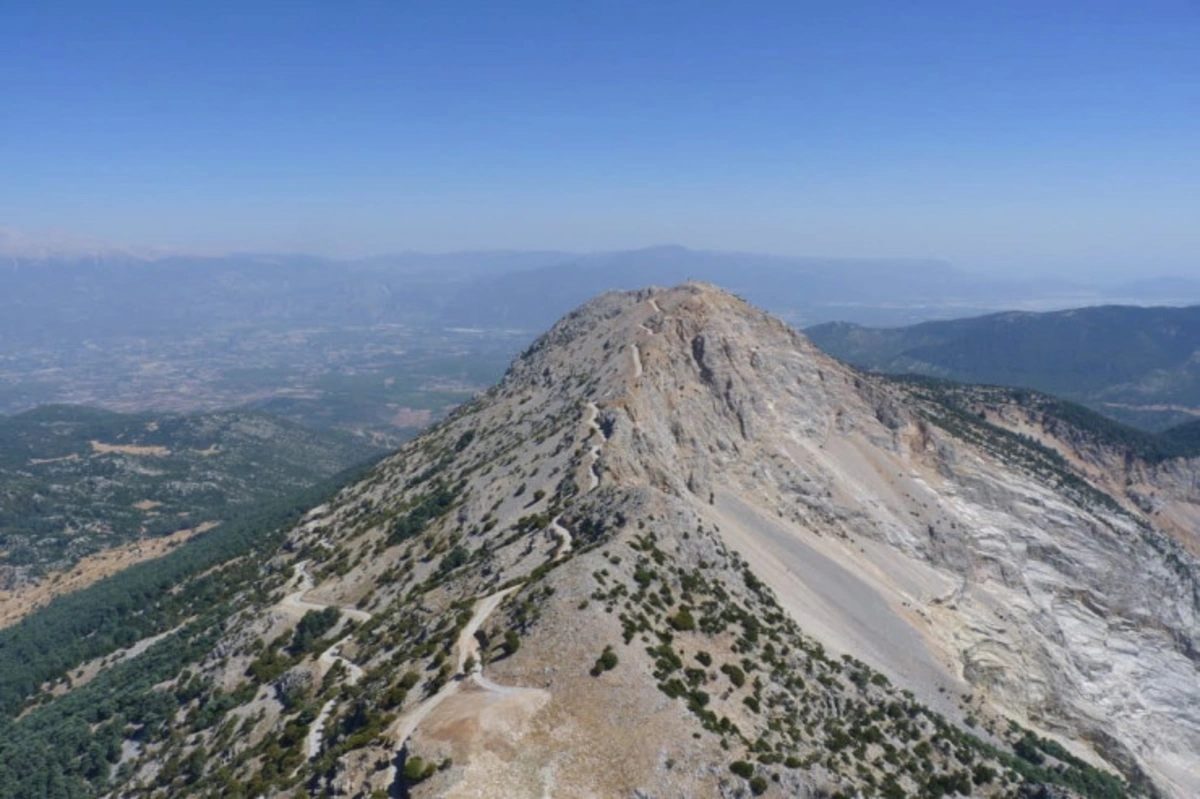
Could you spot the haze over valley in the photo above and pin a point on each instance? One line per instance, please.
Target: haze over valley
(647, 489)
(599, 400)
(381, 347)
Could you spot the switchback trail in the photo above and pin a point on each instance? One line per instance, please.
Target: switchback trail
(295, 604)
(563, 535)
(467, 646)
(590, 417)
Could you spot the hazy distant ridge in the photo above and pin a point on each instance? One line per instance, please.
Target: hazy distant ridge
(1141, 365)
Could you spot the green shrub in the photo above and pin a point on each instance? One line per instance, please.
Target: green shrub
(742, 769)
(417, 770)
(682, 621)
(735, 674)
(606, 662)
(1027, 749)
(983, 774)
(454, 558)
(312, 626)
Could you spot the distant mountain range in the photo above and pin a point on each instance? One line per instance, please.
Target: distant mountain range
(121, 295)
(78, 292)
(1138, 365)
(383, 345)
(804, 291)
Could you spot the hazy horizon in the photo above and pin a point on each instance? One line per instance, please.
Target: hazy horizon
(59, 244)
(1027, 139)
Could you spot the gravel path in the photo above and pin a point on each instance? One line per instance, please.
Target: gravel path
(589, 419)
(295, 604)
(564, 536)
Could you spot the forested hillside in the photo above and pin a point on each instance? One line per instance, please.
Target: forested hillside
(1138, 365)
(55, 746)
(75, 481)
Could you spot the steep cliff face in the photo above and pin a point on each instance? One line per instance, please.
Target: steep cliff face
(1164, 490)
(678, 551)
(1074, 609)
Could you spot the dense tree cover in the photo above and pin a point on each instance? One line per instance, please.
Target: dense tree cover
(140, 601)
(66, 747)
(1124, 355)
(78, 480)
(57, 750)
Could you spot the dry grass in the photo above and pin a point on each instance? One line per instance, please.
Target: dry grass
(100, 448)
(15, 605)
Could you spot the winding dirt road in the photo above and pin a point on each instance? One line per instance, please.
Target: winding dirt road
(563, 535)
(466, 649)
(467, 646)
(312, 741)
(296, 605)
(589, 418)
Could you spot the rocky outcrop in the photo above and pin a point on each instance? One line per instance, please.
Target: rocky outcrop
(716, 562)
(1075, 614)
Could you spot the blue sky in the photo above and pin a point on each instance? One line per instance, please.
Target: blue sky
(1060, 136)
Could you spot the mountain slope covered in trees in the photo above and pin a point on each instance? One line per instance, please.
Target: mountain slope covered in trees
(77, 481)
(1138, 365)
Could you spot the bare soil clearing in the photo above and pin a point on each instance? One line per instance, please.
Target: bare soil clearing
(100, 448)
(471, 708)
(15, 605)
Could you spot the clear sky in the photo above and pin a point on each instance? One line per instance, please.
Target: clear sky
(999, 135)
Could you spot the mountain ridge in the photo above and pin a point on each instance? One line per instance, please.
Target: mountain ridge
(675, 516)
(1135, 364)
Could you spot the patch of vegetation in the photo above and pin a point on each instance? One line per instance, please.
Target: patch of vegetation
(1065, 418)
(788, 704)
(315, 623)
(74, 481)
(1107, 357)
(433, 505)
(65, 746)
(417, 771)
(606, 662)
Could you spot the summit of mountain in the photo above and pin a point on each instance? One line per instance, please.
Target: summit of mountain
(677, 550)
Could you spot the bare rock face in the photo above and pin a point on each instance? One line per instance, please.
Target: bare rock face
(679, 551)
(295, 686)
(1064, 608)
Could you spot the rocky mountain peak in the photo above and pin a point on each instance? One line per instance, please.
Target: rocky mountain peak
(678, 551)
